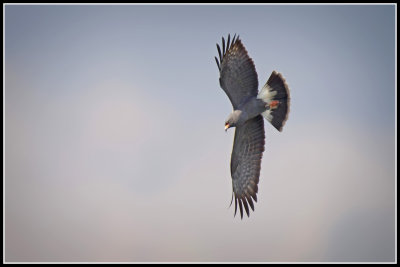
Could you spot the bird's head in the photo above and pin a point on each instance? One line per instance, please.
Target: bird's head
(233, 120)
(227, 125)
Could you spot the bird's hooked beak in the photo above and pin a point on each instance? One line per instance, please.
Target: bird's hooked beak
(226, 126)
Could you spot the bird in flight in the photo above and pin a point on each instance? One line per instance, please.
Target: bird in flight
(238, 78)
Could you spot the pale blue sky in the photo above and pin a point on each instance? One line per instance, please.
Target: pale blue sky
(115, 148)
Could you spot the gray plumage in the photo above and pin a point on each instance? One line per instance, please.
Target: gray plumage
(238, 78)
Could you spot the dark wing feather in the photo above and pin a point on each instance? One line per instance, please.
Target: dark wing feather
(246, 157)
(238, 76)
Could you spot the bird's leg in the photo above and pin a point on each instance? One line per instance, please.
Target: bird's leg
(272, 105)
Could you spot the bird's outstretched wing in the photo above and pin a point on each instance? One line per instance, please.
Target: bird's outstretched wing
(246, 157)
(238, 76)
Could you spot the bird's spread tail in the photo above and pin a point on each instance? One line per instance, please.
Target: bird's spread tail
(275, 93)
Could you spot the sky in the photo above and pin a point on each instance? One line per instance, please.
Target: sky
(115, 149)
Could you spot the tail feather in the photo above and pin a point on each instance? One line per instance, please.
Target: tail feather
(276, 94)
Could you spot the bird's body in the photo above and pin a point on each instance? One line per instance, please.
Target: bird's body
(250, 108)
(238, 78)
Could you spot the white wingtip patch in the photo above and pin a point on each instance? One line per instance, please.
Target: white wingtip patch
(267, 115)
(266, 94)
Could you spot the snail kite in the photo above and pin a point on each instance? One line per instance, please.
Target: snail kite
(238, 78)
